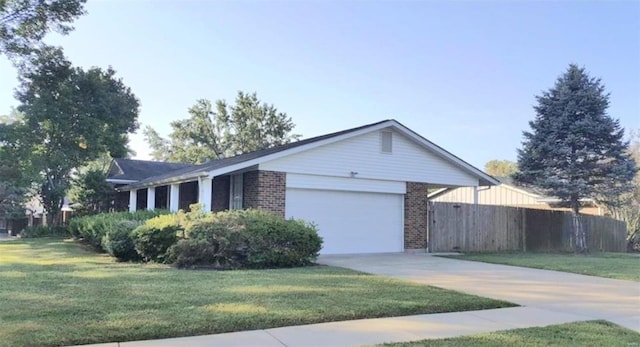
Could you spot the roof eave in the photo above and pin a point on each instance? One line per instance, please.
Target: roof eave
(170, 180)
(120, 181)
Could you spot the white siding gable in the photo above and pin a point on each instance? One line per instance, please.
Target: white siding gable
(408, 161)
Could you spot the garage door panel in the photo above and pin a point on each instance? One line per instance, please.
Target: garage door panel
(350, 222)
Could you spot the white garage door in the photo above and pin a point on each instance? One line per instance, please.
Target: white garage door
(351, 222)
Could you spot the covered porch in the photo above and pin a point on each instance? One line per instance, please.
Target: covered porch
(214, 194)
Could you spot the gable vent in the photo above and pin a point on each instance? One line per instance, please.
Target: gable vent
(386, 141)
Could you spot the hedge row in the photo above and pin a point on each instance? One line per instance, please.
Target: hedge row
(94, 229)
(43, 231)
(231, 239)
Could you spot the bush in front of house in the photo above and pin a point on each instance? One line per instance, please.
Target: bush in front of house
(246, 239)
(276, 242)
(118, 240)
(217, 241)
(43, 231)
(155, 236)
(92, 229)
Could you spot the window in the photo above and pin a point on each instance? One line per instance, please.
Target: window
(386, 143)
(235, 194)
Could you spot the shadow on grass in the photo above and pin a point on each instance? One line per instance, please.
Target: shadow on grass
(52, 292)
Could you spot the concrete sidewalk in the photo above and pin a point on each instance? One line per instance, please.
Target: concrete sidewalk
(374, 331)
(6, 237)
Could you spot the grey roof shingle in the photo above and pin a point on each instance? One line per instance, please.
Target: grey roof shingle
(137, 170)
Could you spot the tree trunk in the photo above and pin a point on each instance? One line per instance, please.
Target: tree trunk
(580, 237)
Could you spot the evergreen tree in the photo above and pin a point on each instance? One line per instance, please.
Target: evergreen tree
(575, 150)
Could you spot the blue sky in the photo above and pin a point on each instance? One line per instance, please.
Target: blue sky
(463, 74)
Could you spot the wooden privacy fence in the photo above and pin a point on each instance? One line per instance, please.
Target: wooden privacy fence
(488, 228)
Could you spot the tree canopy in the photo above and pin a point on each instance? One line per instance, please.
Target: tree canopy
(90, 191)
(71, 116)
(500, 168)
(575, 150)
(24, 23)
(15, 175)
(225, 131)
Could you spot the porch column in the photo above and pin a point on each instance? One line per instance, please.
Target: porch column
(204, 193)
(133, 200)
(174, 197)
(151, 198)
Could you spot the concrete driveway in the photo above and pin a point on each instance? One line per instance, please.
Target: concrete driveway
(592, 297)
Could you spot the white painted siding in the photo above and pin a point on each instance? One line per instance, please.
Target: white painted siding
(346, 184)
(495, 195)
(362, 154)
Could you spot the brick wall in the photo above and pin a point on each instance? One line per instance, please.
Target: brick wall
(220, 193)
(265, 190)
(415, 216)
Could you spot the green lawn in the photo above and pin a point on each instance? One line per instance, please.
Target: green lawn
(623, 266)
(55, 292)
(582, 334)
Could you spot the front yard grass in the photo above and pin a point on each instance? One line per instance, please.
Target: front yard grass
(56, 292)
(582, 334)
(622, 266)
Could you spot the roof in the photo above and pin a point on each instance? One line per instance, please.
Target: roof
(226, 165)
(134, 170)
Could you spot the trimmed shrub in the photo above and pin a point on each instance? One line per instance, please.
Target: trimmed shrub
(43, 231)
(190, 252)
(153, 238)
(276, 242)
(92, 229)
(250, 239)
(215, 241)
(118, 241)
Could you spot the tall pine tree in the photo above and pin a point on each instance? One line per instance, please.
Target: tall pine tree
(575, 150)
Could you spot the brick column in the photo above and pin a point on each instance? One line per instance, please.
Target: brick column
(265, 190)
(415, 216)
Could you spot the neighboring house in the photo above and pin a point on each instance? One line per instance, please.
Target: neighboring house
(508, 194)
(37, 215)
(365, 188)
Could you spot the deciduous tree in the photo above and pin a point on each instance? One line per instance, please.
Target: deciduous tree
(23, 23)
(73, 116)
(90, 192)
(500, 168)
(16, 172)
(225, 131)
(575, 150)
